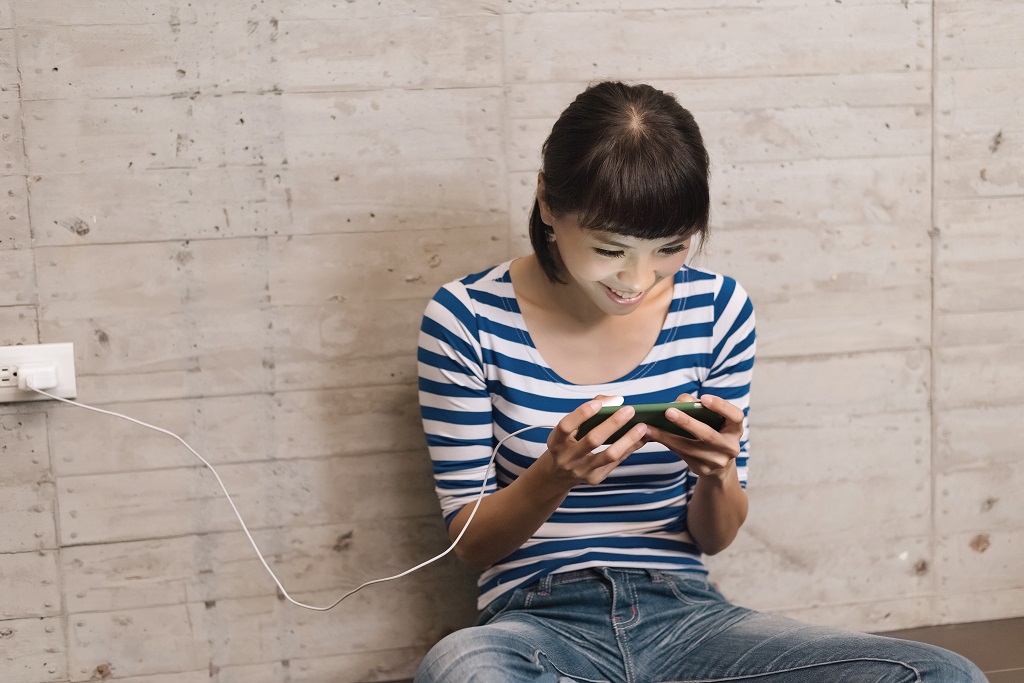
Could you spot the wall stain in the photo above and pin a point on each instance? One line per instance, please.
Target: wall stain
(184, 257)
(76, 226)
(102, 672)
(182, 144)
(997, 140)
(921, 567)
(343, 543)
(989, 504)
(980, 543)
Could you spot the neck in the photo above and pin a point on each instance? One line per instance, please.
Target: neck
(565, 300)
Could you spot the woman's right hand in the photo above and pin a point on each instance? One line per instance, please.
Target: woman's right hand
(575, 461)
(511, 515)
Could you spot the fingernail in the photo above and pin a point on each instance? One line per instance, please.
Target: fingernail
(672, 413)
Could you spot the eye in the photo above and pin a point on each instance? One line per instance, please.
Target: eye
(668, 251)
(608, 253)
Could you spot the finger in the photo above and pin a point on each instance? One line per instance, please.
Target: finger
(686, 398)
(690, 450)
(602, 432)
(628, 442)
(612, 456)
(668, 438)
(697, 454)
(698, 429)
(702, 463)
(571, 422)
(723, 408)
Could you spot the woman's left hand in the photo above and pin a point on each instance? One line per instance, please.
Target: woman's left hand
(710, 452)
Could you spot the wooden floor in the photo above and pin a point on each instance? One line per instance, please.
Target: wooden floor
(997, 647)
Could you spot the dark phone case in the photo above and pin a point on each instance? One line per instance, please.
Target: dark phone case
(654, 415)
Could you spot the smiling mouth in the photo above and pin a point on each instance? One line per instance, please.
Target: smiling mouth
(624, 297)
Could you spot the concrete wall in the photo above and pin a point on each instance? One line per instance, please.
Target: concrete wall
(236, 211)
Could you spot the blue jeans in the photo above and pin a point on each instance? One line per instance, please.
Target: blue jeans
(639, 626)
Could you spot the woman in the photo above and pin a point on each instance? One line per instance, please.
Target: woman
(590, 556)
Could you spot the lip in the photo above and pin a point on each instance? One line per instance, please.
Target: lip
(621, 300)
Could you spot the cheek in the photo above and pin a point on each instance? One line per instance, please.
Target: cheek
(670, 265)
(591, 268)
(579, 261)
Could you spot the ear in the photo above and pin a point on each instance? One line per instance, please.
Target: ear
(545, 210)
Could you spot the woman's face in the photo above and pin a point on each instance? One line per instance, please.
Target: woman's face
(615, 272)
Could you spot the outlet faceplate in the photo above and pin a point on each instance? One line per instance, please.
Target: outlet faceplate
(61, 356)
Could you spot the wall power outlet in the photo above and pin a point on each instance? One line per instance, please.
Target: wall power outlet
(60, 356)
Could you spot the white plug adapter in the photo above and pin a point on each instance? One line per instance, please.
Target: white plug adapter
(41, 376)
(40, 362)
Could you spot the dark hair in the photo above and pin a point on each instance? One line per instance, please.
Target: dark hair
(628, 159)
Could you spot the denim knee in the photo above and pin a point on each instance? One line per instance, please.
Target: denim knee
(455, 652)
(950, 667)
(482, 654)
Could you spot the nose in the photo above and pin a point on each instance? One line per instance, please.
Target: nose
(638, 275)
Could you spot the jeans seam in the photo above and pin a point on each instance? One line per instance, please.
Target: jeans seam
(627, 659)
(536, 658)
(677, 591)
(508, 605)
(751, 677)
(635, 616)
(618, 629)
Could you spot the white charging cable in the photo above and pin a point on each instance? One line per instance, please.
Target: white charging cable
(252, 541)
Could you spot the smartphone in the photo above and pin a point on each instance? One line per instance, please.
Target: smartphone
(654, 415)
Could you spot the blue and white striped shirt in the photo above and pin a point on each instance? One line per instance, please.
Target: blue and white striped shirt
(481, 378)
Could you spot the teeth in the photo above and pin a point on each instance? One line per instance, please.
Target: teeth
(624, 295)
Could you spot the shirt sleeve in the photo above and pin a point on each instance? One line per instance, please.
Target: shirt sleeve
(454, 402)
(732, 358)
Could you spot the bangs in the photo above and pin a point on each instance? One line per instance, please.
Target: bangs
(647, 192)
